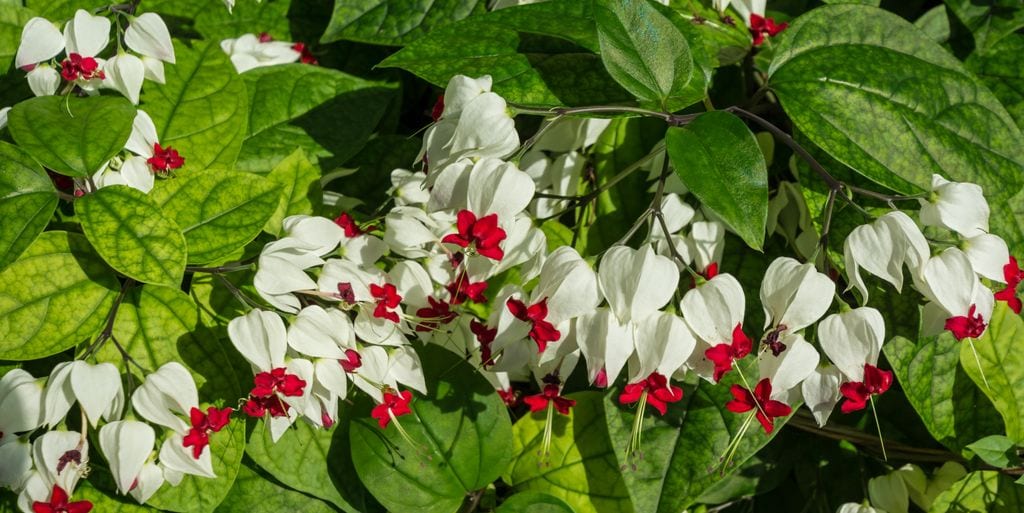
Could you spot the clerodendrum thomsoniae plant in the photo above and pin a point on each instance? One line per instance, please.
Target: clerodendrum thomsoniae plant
(628, 244)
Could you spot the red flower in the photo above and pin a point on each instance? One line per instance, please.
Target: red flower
(203, 424)
(761, 26)
(462, 289)
(59, 502)
(277, 380)
(165, 159)
(508, 397)
(345, 221)
(659, 393)
(549, 395)
(259, 406)
(767, 408)
(387, 299)
(392, 405)
(483, 234)
(541, 331)
(434, 315)
(1013, 275)
(966, 326)
(710, 271)
(306, 56)
(352, 362)
(876, 382)
(722, 355)
(485, 336)
(438, 109)
(346, 293)
(77, 67)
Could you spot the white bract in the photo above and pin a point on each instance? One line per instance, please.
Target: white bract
(957, 206)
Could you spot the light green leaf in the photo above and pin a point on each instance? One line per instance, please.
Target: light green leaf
(581, 468)
(394, 22)
(70, 135)
(151, 323)
(1000, 352)
(107, 502)
(1000, 70)
(950, 405)
(541, 54)
(62, 10)
(935, 23)
(989, 21)
(298, 181)
(683, 449)
(996, 450)
(981, 492)
(462, 432)
(215, 23)
(719, 160)
(881, 97)
(327, 113)
(533, 502)
(313, 461)
(27, 202)
(254, 493)
(201, 109)
(218, 211)
(654, 64)
(53, 297)
(132, 235)
(12, 20)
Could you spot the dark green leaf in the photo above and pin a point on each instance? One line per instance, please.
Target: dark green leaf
(720, 162)
(996, 450)
(533, 502)
(218, 212)
(1001, 71)
(881, 97)
(581, 468)
(254, 493)
(525, 50)
(130, 232)
(935, 23)
(989, 20)
(996, 364)
(70, 135)
(53, 297)
(728, 43)
(683, 449)
(27, 201)
(394, 22)
(214, 22)
(950, 405)
(327, 113)
(201, 110)
(645, 53)
(462, 432)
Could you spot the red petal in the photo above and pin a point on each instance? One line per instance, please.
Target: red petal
(536, 402)
(631, 393)
(721, 356)
(518, 309)
(741, 343)
(80, 507)
(777, 409)
(465, 221)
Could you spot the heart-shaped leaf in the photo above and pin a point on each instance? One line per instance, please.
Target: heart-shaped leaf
(53, 297)
(27, 201)
(533, 502)
(70, 135)
(132, 235)
(254, 493)
(394, 22)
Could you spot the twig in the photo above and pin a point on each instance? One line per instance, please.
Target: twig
(108, 328)
(672, 119)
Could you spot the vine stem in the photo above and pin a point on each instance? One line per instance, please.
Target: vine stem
(108, 328)
(672, 119)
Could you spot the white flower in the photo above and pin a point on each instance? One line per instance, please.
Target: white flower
(321, 333)
(44, 80)
(663, 345)
(852, 339)
(636, 283)
(748, 7)
(960, 207)
(166, 395)
(248, 52)
(21, 405)
(147, 34)
(475, 123)
(149, 480)
(127, 445)
(407, 188)
(789, 369)
(883, 248)
(41, 41)
(948, 280)
(61, 458)
(86, 34)
(820, 392)
(605, 344)
(97, 388)
(124, 73)
(794, 295)
(17, 458)
(988, 254)
(714, 312)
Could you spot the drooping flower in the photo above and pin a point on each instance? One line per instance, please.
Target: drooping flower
(127, 445)
(853, 341)
(659, 393)
(714, 311)
(96, 388)
(483, 235)
(794, 296)
(58, 503)
(767, 408)
(636, 283)
(956, 206)
(550, 396)
(248, 52)
(958, 301)
(1013, 276)
(882, 248)
(392, 406)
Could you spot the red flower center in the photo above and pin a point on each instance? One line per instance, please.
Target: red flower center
(722, 355)
(462, 289)
(761, 27)
(76, 67)
(345, 221)
(268, 388)
(59, 503)
(483, 234)
(434, 315)
(768, 409)
(485, 336)
(165, 159)
(541, 331)
(876, 382)
(306, 56)
(966, 326)
(352, 362)
(203, 424)
(387, 300)
(393, 405)
(659, 393)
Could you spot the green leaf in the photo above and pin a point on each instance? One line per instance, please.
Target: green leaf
(218, 212)
(298, 181)
(728, 43)
(101, 500)
(27, 202)
(533, 502)
(996, 450)
(62, 10)
(215, 22)
(70, 135)
(862, 2)
(719, 160)
(541, 54)
(682, 450)
(935, 23)
(53, 297)
(996, 364)
(989, 21)
(950, 405)
(201, 109)
(394, 22)
(581, 468)
(462, 432)
(12, 20)
(654, 64)
(1000, 70)
(254, 493)
(312, 461)
(981, 492)
(132, 235)
(150, 324)
(881, 97)
(327, 113)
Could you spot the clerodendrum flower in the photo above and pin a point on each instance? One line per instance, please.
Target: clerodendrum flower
(714, 311)
(794, 296)
(958, 300)
(766, 409)
(882, 248)
(853, 341)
